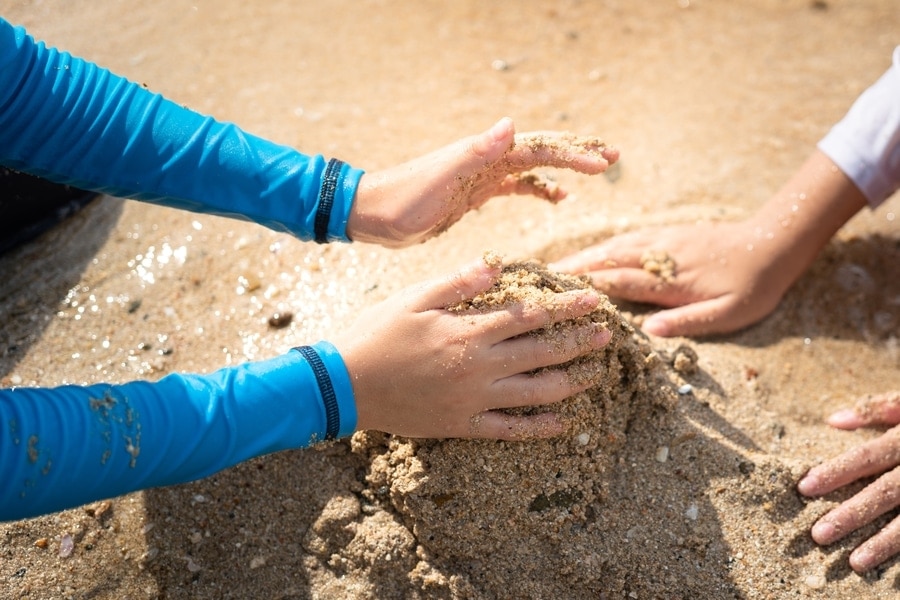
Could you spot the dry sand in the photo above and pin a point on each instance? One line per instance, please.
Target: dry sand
(712, 105)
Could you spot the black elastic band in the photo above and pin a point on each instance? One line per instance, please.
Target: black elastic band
(326, 199)
(329, 399)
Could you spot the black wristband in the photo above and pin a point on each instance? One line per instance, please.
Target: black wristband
(326, 199)
(329, 399)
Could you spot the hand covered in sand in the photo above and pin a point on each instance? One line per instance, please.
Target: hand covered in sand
(711, 277)
(720, 277)
(421, 370)
(417, 200)
(880, 456)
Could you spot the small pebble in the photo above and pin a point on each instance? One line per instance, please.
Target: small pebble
(662, 454)
(66, 546)
(248, 283)
(692, 512)
(42, 543)
(583, 438)
(685, 389)
(685, 360)
(280, 319)
(151, 553)
(815, 582)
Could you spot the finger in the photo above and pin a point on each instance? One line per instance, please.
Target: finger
(528, 353)
(547, 387)
(876, 499)
(585, 154)
(490, 145)
(501, 426)
(465, 284)
(870, 458)
(531, 184)
(878, 409)
(877, 549)
(636, 285)
(707, 317)
(515, 319)
(619, 252)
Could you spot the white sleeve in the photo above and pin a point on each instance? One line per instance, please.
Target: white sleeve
(865, 144)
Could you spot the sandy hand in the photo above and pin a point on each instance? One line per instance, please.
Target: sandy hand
(878, 456)
(417, 200)
(702, 274)
(420, 370)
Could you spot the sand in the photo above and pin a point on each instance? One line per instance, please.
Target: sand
(676, 482)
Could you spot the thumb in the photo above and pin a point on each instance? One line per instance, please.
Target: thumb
(699, 318)
(490, 145)
(465, 284)
(877, 409)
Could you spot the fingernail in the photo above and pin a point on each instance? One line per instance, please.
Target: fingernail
(823, 532)
(843, 418)
(500, 128)
(655, 327)
(807, 486)
(862, 559)
(602, 337)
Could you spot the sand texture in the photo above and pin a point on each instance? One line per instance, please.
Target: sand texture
(676, 477)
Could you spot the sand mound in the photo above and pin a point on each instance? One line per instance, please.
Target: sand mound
(479, 509)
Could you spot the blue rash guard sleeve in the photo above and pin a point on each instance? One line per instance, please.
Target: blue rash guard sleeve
(66, 446)
(70, 121)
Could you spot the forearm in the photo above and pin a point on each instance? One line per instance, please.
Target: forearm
(799, 220)
(855, 164)
(68, 120)
(66, 446)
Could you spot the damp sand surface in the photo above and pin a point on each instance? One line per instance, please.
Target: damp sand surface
(676, 478)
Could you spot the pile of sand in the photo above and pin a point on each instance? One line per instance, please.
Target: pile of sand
(474, 518)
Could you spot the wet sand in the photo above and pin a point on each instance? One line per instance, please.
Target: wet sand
(711, 104)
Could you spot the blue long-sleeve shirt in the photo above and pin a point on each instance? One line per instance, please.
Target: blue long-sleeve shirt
(73, 122)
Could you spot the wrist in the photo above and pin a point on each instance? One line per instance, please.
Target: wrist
(800, 219)
(366, 221)
(335, 390)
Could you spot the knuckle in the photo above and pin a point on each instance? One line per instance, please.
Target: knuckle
(531, 394)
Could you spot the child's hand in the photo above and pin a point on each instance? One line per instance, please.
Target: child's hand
(878, 456)
(420, 370)
(725, 276)
(712, 277)
(417, 200)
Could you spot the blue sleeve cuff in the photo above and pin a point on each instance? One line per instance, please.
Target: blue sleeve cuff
(73, 444)
(337, 191)
(335, 388)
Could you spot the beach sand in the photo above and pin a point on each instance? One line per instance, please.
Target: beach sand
(675, 481)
